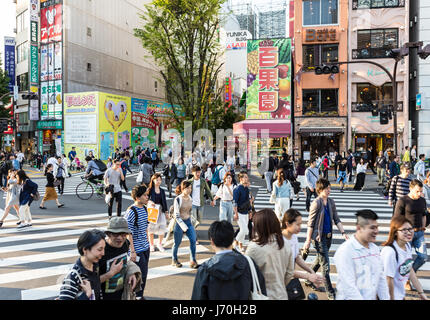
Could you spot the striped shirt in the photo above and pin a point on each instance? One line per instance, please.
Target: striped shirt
(399, 187)
(139, 232)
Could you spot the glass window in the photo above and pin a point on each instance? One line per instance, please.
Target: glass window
(320, 12)
(22, 52)
(378, 3)
(329, 53)
(22, 82)
(320, 102)
(377, 38)
(375, 43)
(310, 59)
(375, 4)
(311, 12)
(368, 93)
(363, 39)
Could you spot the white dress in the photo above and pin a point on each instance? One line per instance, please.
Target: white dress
(12, 196)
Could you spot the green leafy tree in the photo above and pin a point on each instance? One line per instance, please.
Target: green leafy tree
(182, 36)
(4, 90)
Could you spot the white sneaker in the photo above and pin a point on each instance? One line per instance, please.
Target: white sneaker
(22, 226)
(152, 249)
(160, 247)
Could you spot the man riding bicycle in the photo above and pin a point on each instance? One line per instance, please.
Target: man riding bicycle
(93, 172)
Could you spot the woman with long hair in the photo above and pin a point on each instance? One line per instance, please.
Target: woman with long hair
(50, 193)
(28, 192)
(225, 193)
(361, 175)
(272, 256)
(12, 195)
(290, 226)
(157, 196)
(397, 258)
(282, 193)
(182, 205)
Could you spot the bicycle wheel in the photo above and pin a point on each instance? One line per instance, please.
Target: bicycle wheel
(84, 190)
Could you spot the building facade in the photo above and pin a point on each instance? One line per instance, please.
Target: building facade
(376, 27)
(80, 46)
(320, 104)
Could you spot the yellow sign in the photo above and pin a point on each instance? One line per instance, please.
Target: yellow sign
(153, 214)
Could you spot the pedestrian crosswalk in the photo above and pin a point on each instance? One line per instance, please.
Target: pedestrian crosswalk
(347, 204)
(36, 259)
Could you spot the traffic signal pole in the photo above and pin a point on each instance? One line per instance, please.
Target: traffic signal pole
(393, 81)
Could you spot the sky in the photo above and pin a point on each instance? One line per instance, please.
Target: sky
(7, 23)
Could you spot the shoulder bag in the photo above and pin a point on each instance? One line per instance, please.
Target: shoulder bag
(256, 293)
(295, 290)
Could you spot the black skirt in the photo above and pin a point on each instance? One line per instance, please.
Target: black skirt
(359, 184)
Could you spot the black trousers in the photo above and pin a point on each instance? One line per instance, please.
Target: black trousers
(123, 185)
(118, 197)
(309, 194)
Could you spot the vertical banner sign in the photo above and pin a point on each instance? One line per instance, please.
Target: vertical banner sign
(34, 59)
(228, 92)
(9, 60)
(269, 79)
(34, 65)
(51, 59)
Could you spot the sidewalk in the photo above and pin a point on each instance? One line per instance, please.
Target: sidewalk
(34, 173)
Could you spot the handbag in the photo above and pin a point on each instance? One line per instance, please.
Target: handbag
(139, 178)
(57, 183)
(295, 290)
(256, 293)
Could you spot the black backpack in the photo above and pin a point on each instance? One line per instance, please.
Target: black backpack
(100, 164)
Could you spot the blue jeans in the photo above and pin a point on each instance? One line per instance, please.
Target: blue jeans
(191, 234)
(268, 176)
(197, 212)
(322, 259)
(226, 211)
(420, 246)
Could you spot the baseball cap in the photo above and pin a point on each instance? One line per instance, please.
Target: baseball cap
(118, 225)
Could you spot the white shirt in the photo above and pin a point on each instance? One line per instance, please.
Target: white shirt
(399, 269)
(361, 168)
(294, 245)
(52, 161)
(196, 192)
(224, 194)
(360, 272)
(20, 156)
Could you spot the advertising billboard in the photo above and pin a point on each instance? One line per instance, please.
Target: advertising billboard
(143, 126)
(269, 79)
(51, 23)
(9, 60)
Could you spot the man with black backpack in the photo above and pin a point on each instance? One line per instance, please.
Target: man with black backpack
(137, 220)
(5, 166)
(95, 169)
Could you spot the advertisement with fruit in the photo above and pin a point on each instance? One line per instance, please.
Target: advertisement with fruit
(269, 79)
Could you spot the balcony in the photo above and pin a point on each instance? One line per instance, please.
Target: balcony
(378, 5)
(321, 114)
(368, 107)
(371, 53)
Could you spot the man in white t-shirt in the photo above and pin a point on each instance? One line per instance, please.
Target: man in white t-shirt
(199, 187)
(20, 157)
(359, 265)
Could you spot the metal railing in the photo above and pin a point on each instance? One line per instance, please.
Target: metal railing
(371, 53)
(368, 107)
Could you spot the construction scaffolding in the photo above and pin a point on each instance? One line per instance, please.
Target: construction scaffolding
(264, 19)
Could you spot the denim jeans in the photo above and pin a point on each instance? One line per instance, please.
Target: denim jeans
(197, 212)
(322, 259)
(309, 194)
(268, 176)
(420, 246)
(226, 211)
(178, 234)
(143, 266)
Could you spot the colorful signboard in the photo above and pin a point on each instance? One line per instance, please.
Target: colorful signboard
(51, 100)
(269, 79)
(237, 40)
(143, 126)
(51, 24)
(9, 60)
(228, 91)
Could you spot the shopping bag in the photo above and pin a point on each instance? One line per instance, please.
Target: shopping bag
(139, 178)
(153, 213)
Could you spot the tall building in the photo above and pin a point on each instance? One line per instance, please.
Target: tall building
(422, 124)
(320, 103)
(376, 27)
(77, 46)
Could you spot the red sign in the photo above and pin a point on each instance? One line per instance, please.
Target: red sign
(143, 121)
(51, 24)
(268, 78)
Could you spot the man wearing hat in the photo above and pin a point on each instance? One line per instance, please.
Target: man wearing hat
(119, 277)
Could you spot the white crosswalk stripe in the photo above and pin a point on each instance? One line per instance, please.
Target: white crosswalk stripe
(38, 257)
(347, 204)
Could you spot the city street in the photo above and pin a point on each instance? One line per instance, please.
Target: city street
(34, 261)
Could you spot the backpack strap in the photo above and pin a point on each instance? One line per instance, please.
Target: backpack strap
(394, 248)
(135, 216)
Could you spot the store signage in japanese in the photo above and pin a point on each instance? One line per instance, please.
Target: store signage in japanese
(9, 60)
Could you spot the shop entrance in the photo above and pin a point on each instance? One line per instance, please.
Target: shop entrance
(318, 143)
(379, 142)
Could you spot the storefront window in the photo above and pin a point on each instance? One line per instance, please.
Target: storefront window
(315, 55)
(321, 102)
(320, 12)
(368, 93)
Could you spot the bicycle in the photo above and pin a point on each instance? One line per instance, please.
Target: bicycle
(86, 188)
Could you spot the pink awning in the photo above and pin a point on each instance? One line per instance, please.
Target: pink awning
(277, 128)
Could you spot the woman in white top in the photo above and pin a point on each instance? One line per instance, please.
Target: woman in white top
(361, 175)
(397, 259)
(290, 227)
(282, 192)
(225, 193)
(12, 195)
